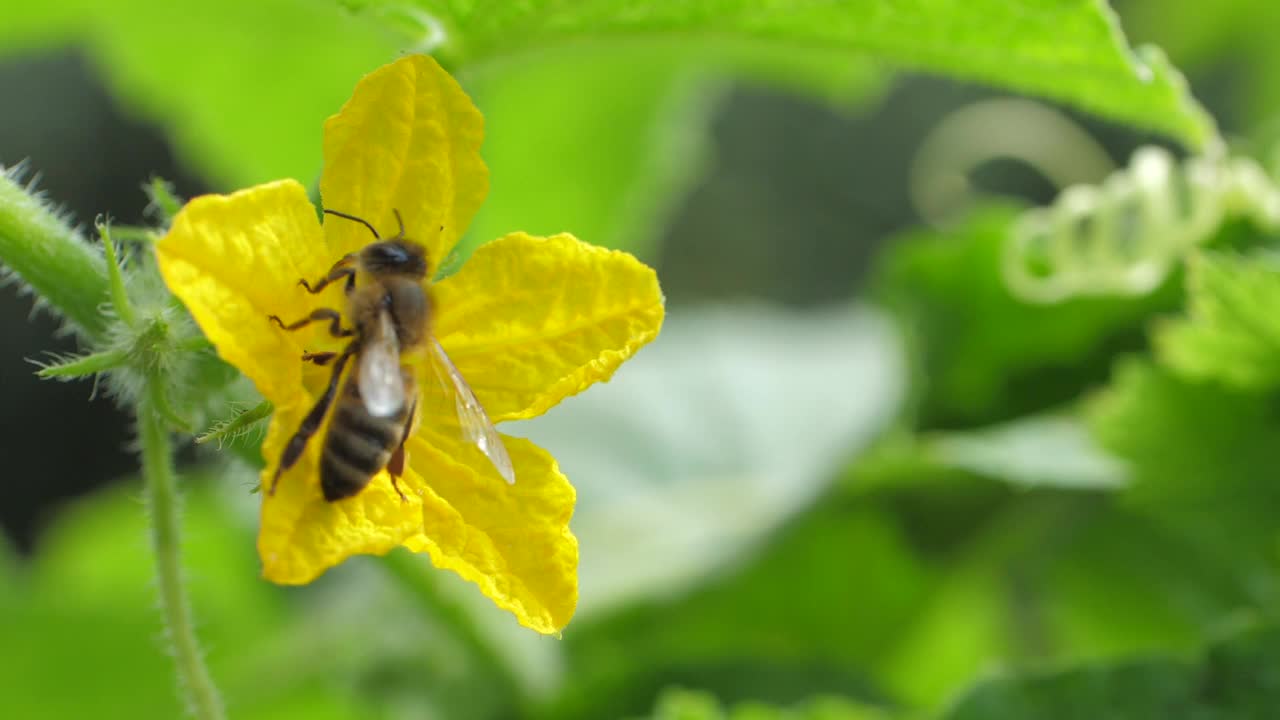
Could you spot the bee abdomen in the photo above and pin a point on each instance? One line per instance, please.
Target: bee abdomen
(356, 447)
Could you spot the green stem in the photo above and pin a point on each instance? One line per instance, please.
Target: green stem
(52, 258)
(162, 497)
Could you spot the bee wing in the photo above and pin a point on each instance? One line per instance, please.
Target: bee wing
(378, 375)
(474, 422)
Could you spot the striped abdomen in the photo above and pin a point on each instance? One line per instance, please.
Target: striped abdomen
(357, 444)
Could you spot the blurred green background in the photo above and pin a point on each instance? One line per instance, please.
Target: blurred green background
(855, 477)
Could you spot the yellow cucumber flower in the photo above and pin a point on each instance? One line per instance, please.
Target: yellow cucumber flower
(527, 321)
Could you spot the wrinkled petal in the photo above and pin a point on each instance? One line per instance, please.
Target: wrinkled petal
(409, 140)
(511, 540)
(236, 259)
(302, 534)
(530, 320)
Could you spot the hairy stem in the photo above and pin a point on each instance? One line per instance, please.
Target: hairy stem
(46, 253)
(196, 684)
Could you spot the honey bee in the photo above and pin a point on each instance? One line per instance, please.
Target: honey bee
(373, 410)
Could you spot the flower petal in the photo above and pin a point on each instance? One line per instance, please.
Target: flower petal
(302, 534)
(530, 320)
(511, 540)
(408, 140)
(236, 259)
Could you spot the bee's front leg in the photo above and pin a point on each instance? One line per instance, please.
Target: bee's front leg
(333, 316)
(344, 268)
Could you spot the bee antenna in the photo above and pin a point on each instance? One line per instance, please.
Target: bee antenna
(399, 222)
(363, 221)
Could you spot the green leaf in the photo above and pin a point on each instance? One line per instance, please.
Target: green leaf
(1037, 451)
(1232, 330)
(1033, 452)
(677, 704)
(610, 170)
(984, 355)
(1153, 689)
(1203, 37)
(1116, 582)
(908, 593)
(979, 611)
(1052, 578)
(828, 593)
(1042, 576)
(1068, 50)
(1202, 457)
(1236, 679)
(605, 171)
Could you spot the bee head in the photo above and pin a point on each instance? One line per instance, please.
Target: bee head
(394, 257)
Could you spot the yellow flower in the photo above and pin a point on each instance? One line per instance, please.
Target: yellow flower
(527, 321)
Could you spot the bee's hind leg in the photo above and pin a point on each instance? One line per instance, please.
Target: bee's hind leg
(395, 466)
(312, 422)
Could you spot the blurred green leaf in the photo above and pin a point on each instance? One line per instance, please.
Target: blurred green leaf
(831, 591)
(982, 354)
(1037, 451)
(601, 139)
(1116, 582)
(82, 634)
(906, 596)
(1232, 329)
(688, 705)
(1053, 451)
(732, 421)
(679, 704)
(603, 169)
(1069, 50)
(241, 86)
(908, 592)
(1162, 689)
(1054, 572)
(1237, 679)
(970, 619)
(1226, 48)
(1040, 576)
(1056, 577)
(1201, 457)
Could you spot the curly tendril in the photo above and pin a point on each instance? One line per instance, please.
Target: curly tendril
(1123, 236)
